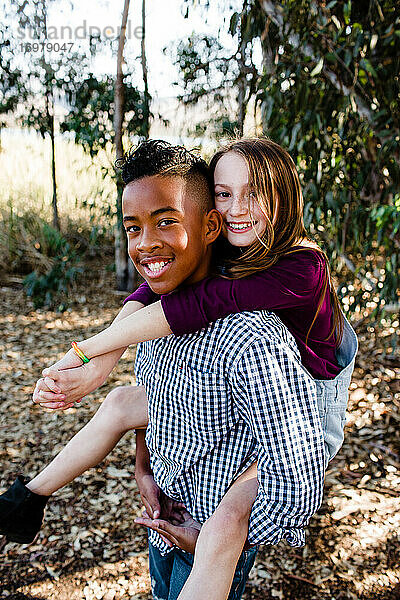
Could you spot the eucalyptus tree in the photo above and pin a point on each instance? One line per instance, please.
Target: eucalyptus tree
(221, 83)
(327, 88)
(102, 110)
(13, 89)
(44, 75)
(329, 91)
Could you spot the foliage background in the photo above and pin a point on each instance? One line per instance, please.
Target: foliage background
(319, 77)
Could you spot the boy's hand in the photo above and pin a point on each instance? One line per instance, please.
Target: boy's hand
(156, 503)
(150, 493)
(184, 535)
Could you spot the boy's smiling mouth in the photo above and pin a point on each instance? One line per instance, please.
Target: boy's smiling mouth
(155, 266)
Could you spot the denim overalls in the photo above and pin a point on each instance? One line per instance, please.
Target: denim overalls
(333, 394)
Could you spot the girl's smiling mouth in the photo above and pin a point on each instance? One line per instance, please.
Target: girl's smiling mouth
(240, 226)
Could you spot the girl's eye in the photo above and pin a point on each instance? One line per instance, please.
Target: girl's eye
(222, 194)
(252, 195)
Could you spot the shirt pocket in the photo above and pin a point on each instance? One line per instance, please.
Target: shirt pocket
(202, 400)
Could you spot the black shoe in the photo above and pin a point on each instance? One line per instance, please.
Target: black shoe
(21, 512)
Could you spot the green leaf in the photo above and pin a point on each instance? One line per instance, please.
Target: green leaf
(364, 62)
(347, 12)
(295, 131)
(233, 24)
(318, 68)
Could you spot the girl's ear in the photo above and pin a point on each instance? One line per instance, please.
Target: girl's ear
(214, 225)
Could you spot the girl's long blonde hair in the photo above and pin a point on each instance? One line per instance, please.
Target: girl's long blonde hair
(275, 182)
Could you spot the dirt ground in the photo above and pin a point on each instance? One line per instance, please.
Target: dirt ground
(90, 549)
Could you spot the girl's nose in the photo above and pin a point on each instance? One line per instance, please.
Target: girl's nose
(239, 206)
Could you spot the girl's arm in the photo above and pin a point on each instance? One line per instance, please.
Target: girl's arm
(71, 380)
(292, 282)
(146, 324)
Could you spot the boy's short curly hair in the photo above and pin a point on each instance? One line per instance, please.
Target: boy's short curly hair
(158, 157)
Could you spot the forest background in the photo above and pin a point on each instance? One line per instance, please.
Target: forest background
(78, 85)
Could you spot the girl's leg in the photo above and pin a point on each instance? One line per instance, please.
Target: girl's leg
(221, 542)
(123, 409)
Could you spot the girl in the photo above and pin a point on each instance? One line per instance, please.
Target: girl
(268, 264)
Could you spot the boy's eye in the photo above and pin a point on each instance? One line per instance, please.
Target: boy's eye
(132, 229)
(166, 221)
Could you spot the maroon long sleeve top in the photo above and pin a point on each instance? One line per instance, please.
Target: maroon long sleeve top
(292, 288)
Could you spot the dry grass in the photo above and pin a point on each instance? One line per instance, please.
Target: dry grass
(86, 201)
(26, 186)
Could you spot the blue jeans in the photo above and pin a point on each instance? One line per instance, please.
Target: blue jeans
(333, 394)
(168, 573)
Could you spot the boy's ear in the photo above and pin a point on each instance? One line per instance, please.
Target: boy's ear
(214, 225)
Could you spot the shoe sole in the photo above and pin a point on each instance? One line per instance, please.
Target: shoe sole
(20, 539)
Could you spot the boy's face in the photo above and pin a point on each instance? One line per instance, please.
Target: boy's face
(167, 232)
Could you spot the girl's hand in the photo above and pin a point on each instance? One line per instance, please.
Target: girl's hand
(47, 398)
(70, 380)
(50, 395)
(69, 361)
(48, 392)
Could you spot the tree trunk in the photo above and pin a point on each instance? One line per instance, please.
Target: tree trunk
(146, 116)
(241, 103)
(56, 220)
(50, 110)
(242, 79)
(50, 121)
(121, 254)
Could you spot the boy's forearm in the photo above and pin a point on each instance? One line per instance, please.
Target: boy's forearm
(142, 454)
(149, 323)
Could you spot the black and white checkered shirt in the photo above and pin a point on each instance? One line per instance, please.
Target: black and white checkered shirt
(223, 397)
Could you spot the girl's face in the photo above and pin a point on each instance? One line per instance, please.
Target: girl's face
(233, 198)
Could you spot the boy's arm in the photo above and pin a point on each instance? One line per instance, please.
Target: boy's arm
(231, 515)
(70, 382)
(149, 490)
(157, 504)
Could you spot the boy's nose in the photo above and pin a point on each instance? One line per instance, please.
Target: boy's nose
(147, 242)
